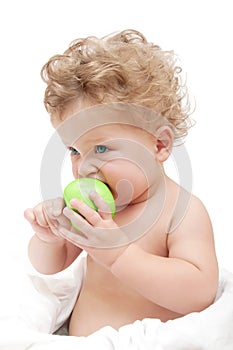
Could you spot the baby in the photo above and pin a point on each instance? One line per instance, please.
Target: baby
(118, 105)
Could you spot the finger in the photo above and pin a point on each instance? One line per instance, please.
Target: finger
(90, 214)
(63, 221)
(44, 231)
(54, 207)
(52, 224)
(76, 219)
(40, 218)
(29, 215)
(103, 207)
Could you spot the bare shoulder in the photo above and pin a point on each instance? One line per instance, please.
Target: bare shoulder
(191, 238)
(189, 214)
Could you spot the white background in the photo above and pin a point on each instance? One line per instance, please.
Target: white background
(200, 32)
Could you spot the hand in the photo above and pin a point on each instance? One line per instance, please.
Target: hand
(46, 217)
(99, 235)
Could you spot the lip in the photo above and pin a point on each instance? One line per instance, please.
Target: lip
(109, 187)
(103, 182)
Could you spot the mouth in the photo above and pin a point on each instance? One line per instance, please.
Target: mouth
(110, 189)
(106, 184)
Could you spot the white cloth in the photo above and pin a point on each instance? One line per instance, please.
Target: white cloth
(33, 306)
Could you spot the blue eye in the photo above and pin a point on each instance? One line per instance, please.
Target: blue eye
(101, 149)
(73, 151)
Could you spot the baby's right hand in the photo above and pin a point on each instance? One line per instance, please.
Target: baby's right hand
(45, 219)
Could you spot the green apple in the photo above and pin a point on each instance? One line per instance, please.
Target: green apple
(80, 188)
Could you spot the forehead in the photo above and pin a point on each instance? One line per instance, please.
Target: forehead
(112, 120)
(113, 130)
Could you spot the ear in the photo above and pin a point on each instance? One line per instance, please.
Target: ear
(164, 143)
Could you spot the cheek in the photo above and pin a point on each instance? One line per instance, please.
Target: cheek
(74, 167)
(125, 176)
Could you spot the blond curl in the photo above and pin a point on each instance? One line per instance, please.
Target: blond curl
(121, 67)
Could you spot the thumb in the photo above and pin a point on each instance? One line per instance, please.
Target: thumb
(29, 215)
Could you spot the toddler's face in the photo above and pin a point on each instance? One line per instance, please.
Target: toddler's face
(122, 156)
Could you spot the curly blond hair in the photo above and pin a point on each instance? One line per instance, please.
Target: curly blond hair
(121, 67)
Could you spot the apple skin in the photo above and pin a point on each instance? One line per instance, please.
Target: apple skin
(80, 188)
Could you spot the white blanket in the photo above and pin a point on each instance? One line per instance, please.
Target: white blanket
(33, 306)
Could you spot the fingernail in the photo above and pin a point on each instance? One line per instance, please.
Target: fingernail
(73, 201)
(66, 210)
(56, 212)
(92, 193)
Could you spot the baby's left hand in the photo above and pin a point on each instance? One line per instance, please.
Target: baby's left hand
(99, 235)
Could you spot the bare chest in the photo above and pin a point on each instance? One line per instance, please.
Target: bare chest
(105, 300)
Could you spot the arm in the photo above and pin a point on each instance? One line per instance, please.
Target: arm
(48, 252)
(50, 258)
(187, 279)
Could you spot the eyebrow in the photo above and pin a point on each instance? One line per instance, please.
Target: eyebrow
(100, 139)
(94, 140)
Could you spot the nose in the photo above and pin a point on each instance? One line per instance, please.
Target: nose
(87, 168)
